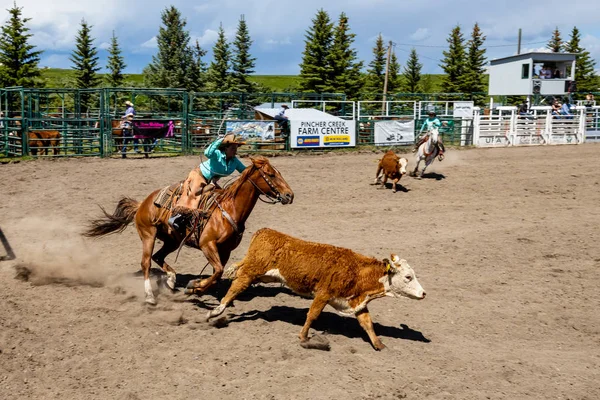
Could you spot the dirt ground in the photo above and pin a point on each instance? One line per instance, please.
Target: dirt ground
(505, 242)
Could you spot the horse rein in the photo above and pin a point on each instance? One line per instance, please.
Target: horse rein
(274, 200)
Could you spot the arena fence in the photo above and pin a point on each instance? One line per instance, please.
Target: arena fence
(76, 123)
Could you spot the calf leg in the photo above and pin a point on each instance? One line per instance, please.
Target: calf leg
(240, 284)
(316, 307)
(377, 177)
(367, 324)
(394, 183)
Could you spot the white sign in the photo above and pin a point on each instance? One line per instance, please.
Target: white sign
(394, 132)
(463, 109)
(322, 133)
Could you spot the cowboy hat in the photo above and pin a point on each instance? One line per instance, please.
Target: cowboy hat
(284, 106)
(128, 103)
(232, 139)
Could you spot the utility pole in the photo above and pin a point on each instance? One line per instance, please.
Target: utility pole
(519, 43)
(387, 73)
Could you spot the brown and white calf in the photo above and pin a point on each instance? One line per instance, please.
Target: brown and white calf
(393, 167)
(332, 275)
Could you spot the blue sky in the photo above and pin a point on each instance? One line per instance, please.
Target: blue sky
(278, 27)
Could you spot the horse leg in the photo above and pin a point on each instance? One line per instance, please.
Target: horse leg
(159, 258)
(211, 252)
(416, 171)
(148, 236)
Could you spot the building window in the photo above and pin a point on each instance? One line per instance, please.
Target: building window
(525, 71)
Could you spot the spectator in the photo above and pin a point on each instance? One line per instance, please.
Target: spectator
(589, 100)
(127, 125)
(283, 121)
(556, 74)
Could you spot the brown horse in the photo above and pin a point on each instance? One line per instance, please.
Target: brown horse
(222, 232)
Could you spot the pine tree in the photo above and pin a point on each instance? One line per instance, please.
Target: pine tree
(586, 79)
(394, 75)
(115, 63)
(345, 76)
(198, 68)
(473, 78)
(242, 64)
(412, 73)
(453, 63)
(555, 44)
(218, 72)
(426, 83)
(85, 59)
(376, 72)
(172, 66)
(18, 59)
(315, 71)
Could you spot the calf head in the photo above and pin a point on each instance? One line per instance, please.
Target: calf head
(402, 163)
(401, 280)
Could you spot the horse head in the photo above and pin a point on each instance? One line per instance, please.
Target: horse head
(434, 134)
(269, 181)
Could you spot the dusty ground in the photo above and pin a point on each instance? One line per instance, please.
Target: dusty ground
(505, 241)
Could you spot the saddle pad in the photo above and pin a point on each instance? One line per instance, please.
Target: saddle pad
(166, 194)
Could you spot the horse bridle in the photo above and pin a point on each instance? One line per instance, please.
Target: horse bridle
(274, 200)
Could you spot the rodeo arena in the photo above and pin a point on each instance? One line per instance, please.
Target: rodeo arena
(379, 263)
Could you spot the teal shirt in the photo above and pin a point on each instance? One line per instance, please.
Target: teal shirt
(429, 123)
(217, 166)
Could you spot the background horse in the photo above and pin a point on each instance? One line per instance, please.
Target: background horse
(222, 232)
(427, 151)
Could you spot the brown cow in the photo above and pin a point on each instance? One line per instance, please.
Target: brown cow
(40, 141)
(393, 167)
(332, 275)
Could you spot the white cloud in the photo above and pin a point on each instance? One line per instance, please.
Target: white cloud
(56, 61)
(208, 38)
(104, 45)
(420, 34)
(151, 43)
(279, 42)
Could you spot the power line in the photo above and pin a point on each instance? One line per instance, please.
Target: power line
(445, 46)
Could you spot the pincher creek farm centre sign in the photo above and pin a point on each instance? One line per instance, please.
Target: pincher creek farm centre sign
(322, 133)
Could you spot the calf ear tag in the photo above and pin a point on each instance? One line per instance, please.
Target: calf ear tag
(388, 268)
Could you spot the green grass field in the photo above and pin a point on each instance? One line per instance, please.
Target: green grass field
(65, 78)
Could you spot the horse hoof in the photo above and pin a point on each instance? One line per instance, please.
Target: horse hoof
(171, 281)
(189, 291)
(151, 301)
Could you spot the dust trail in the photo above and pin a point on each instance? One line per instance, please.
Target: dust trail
(51, 251)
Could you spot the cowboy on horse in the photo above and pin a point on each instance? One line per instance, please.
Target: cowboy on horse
(222, 161)
(430, 122)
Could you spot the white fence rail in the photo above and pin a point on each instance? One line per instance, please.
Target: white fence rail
(507, 128)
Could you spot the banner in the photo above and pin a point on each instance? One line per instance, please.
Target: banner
(256, 131)
(322, 133)
(463, 109)
(389, 133)
(152, 129)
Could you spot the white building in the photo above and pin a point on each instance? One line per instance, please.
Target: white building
(523, 74)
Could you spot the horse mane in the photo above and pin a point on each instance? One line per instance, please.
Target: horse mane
(231, 189)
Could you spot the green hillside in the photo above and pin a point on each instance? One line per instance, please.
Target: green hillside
(65, 78)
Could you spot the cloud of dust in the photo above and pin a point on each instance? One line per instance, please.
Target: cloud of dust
(50, 250)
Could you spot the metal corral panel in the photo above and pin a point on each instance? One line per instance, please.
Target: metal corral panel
(300, 114)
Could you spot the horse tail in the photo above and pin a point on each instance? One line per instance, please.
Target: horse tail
(115, 223)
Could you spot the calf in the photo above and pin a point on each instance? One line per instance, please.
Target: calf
(40, 141)
(393, 167)
(331, 275)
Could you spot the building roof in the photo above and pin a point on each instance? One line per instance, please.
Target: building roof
(537, 56)
(299, 114)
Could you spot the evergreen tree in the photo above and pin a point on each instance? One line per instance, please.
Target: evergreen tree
(198, 68)
(85, 59)
(242, 63)
(394, 75)
(315, 71)
(172, 66)
(586, 79)
(345, 76)
(376, 71)
(453, 63)
(473, 79)
(555, 44)
(218, 72)
(412, 73)
(426, 83)
(18, 59)
(115, 63)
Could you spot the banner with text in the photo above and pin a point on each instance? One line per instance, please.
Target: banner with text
(388, 133)
(322, 133)
(252, 131)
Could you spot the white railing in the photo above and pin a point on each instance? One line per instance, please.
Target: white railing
(507, 128)
(322, 106)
